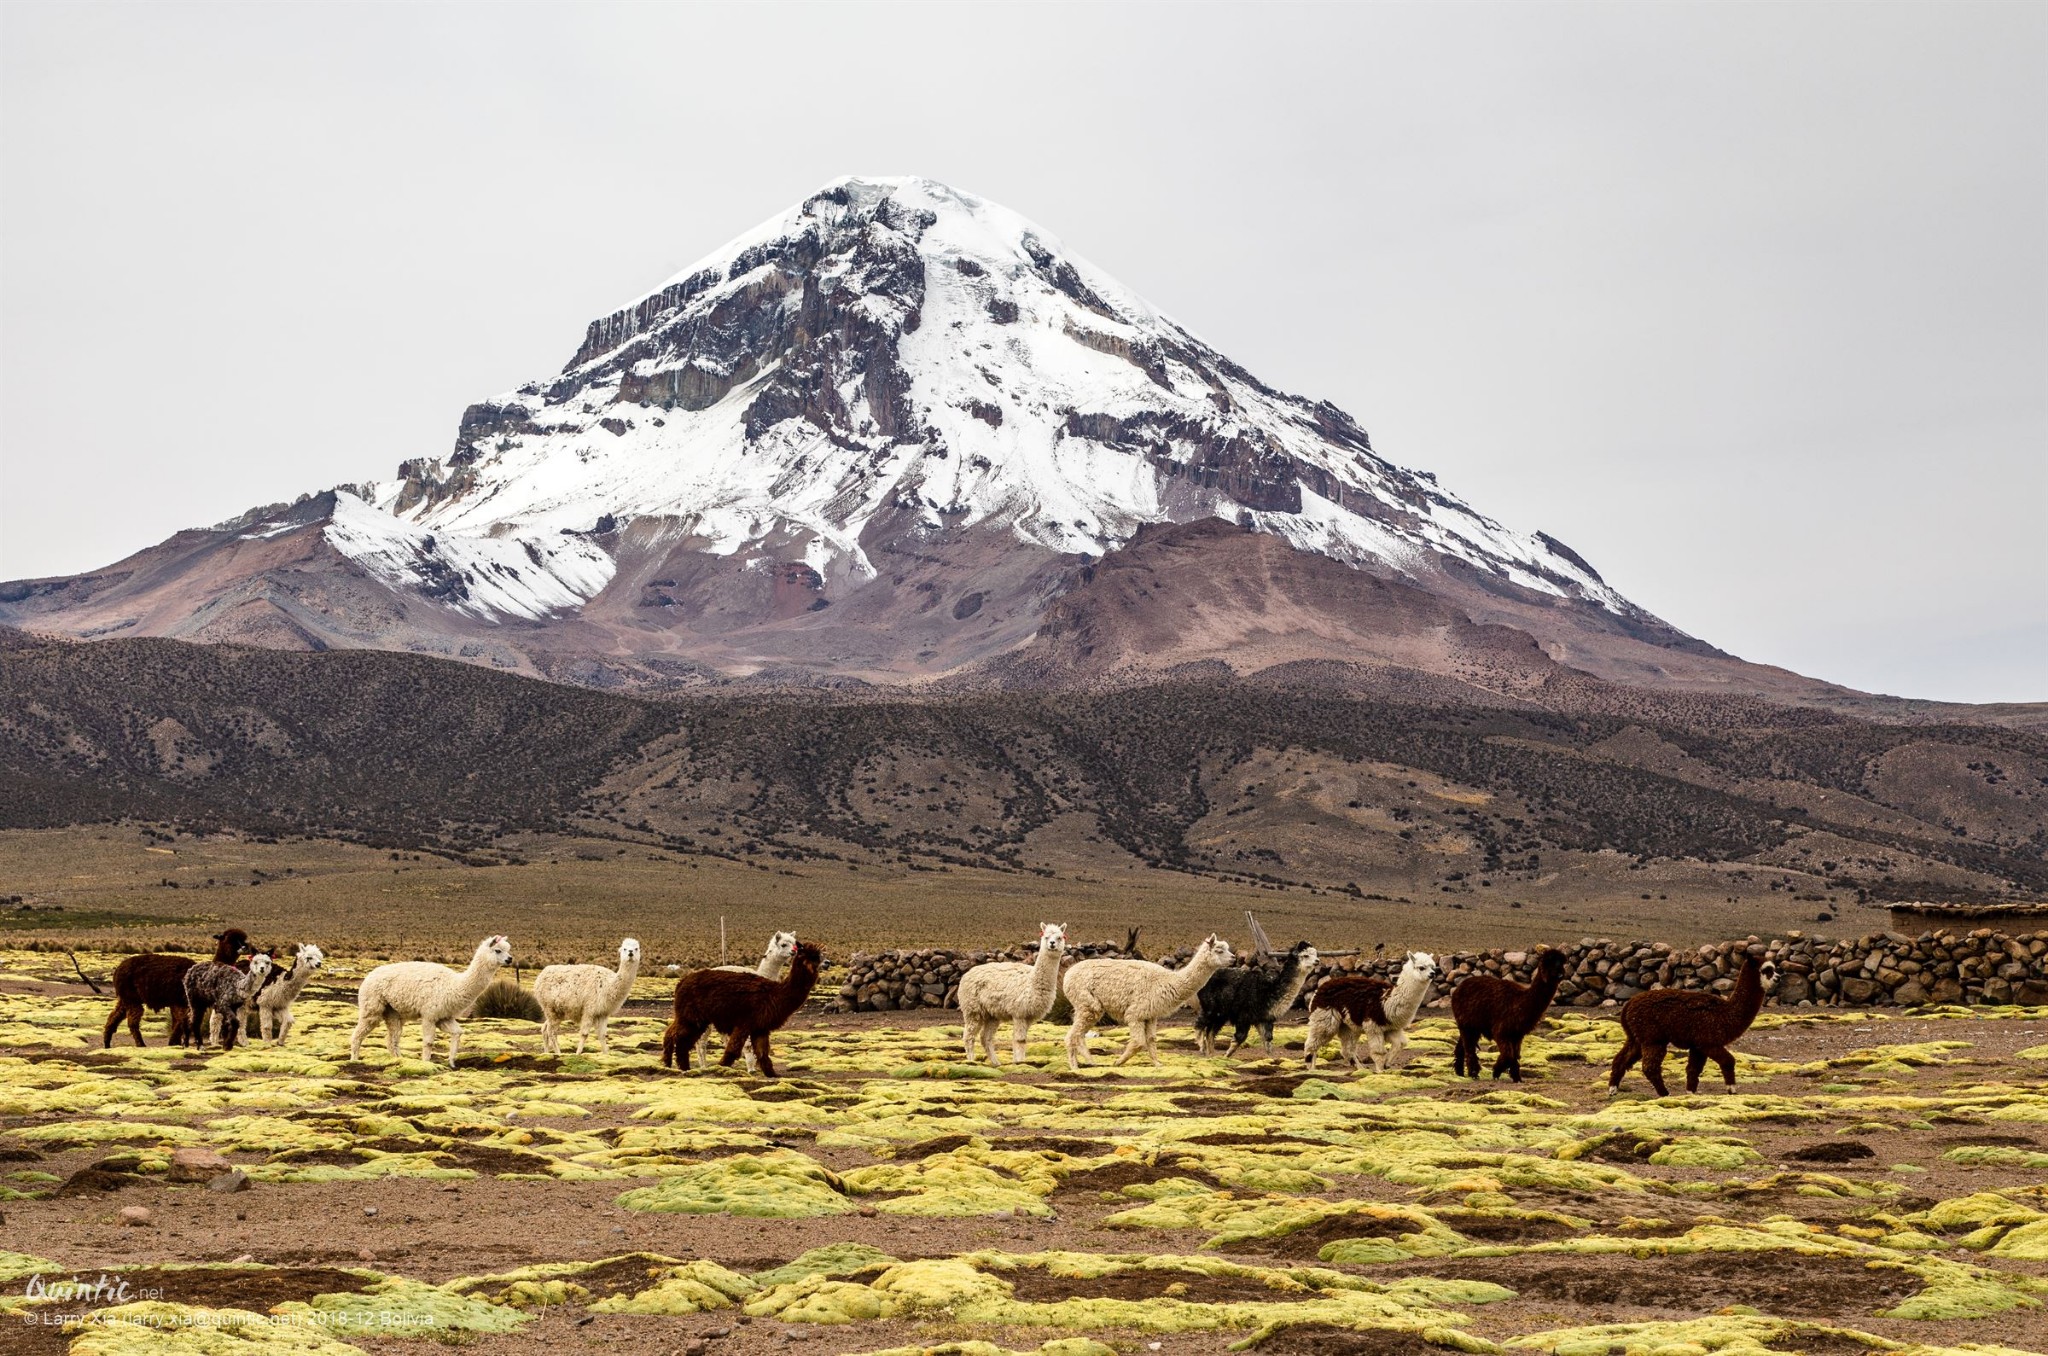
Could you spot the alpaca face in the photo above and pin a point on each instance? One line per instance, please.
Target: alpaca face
(629, 951)
(1550, 964)
(1424, 964)
(1052, 937)
(1308, 955)
(1769, 975)
(1219, 949)
(782, 945)
(500, 948)
(808, 952)
(259, 966)
(310, 957)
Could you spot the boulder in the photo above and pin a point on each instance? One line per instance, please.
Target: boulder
(194, 1163)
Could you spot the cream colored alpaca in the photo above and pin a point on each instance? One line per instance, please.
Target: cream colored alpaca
(1382, 1042)
(434, 994)
(588, 995)
(1137, 993)
(1023, 993)
(274, 1000)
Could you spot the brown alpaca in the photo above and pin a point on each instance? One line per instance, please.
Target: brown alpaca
(743, 1007)
(1693, 1020)
(1345, 1006)
(155, 980)
(1503, 1012)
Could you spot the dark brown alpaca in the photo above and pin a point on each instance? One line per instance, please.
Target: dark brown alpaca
(1693, 1020)
(1503, 1012)
(742, 1007)
(1361, 998)
(156, 980)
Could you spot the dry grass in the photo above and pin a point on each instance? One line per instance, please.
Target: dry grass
(578, 896)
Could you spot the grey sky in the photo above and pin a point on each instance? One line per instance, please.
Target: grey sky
(1747, 303)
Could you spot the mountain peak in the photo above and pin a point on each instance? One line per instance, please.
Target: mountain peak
(894, 357)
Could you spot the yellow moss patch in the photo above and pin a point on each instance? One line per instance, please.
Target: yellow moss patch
(780, 1184)
(155, 1328)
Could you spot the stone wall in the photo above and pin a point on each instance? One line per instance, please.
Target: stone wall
(1977, 966)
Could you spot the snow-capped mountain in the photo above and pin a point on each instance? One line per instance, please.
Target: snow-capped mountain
(896, 433)
(896, 347)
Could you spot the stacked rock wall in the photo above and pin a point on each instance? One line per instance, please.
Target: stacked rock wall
(1979, 966)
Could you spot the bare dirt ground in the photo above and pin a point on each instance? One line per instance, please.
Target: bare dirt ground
(1878, 1179)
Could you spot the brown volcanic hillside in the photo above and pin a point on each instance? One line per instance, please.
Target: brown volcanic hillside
(1407, 799)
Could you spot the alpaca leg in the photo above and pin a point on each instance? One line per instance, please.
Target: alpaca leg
(582, 1033)
(264, 1022)
(668, 1045)
(454, 1029)
(1133, 1045)
(604, 1039)
(1318, 1036)
(1510, 1059)
(1152, 1042)
(1653, 1066)
(734, 1043)
(1722, 1056)
(394, 1027)
(1266, 1035)
(970, 1034)
(682, 1043)
(1695, 1063)
(550, 1034)
(427, 1025)
(1458, 1052)
(762, 1059)
(285, 1022)
(1631, 1051)
(1237, 1038)
(230, 1026)
(1077, 1037)
(1020, 1037)
(114, 1024)
(181, 1026)
(355, 1040)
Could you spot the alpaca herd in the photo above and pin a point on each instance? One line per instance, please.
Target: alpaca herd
(209, 1002)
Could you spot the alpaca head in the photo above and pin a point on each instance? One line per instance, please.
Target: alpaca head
(1550, 964)
(1767, 975)
(1423, 964)
(495, 950)
(259, 966)
(782, 946)
(308, 958)
(1052, 937)
(1218, 949)
(235, 942)
(807, 953)
(629, 951)
(1305, 954)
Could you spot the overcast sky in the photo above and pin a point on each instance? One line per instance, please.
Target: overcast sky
(1746, 303)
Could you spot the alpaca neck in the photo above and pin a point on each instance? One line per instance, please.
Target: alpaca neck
(1293, 975)
(483, 968)
(772, 966)
(1189, 979)
(1045, 972)
(1747, 999)
(622, 981)
(793, 989)
(1537, 996)
(1406, 999)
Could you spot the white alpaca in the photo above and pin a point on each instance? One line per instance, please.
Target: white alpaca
(1137, 993)
(1383, 1040)
(434, 994)
(588, 995)
(274, 1001)
(1023, 993)
(775, 962)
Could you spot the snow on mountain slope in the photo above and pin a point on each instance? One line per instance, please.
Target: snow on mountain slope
(894, 358)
